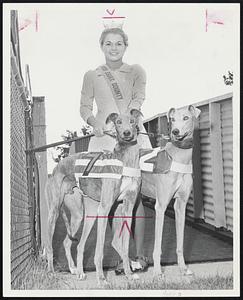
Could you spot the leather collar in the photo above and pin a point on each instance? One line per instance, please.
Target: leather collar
(187, 144)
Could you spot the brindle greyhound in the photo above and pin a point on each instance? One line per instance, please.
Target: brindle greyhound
(124, 189)
(175, 183)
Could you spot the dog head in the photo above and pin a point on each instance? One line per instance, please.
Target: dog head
(126, 125)
(181, 123)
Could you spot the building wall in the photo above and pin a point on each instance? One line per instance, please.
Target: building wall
(22, 205)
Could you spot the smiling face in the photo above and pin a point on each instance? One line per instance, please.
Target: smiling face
(113, 47)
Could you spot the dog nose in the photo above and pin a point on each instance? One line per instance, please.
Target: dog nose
(127, 132)
(175, 131)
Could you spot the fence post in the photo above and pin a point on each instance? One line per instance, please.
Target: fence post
(39, 129)
(217, 164)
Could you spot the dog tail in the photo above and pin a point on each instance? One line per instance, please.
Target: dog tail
(65, 219)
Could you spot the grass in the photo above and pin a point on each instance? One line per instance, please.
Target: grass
(207, 283)
(39, 279)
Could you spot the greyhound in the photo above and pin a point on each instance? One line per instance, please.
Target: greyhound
(175, 182)
(124, 189)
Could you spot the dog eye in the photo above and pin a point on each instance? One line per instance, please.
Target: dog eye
(118, 122)
(172, 119)
(132, 121)
(185, 118)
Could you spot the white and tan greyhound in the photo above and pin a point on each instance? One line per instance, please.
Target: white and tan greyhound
(123, 188)
(172, 178)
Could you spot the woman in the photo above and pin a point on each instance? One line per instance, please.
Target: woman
(127, 92)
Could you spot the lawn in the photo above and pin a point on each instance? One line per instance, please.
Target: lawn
(38, 279)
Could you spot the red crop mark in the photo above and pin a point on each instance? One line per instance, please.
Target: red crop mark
(123, 224)
(26, 23)
(34, 20)
(123, 217)
(213, 18)
(110, 13)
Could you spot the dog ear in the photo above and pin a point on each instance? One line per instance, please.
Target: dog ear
(194, 110)
(111, 118)
(170, 112)
(136, 113)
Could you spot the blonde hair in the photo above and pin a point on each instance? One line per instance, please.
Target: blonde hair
(114, 31)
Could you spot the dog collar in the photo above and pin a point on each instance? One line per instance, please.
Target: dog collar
(132, 143)
(188, 144)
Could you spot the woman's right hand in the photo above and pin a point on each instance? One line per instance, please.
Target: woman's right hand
(98, 131)
(97, 126)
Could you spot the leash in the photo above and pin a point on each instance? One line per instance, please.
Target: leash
(151, 134)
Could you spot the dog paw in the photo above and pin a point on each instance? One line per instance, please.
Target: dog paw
(102, 283)
(159, 275)
(134, 277)
(73, 271)
(186, 272)
(82, 276)
(50, 270)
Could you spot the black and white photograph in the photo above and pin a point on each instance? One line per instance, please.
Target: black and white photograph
(121, 126)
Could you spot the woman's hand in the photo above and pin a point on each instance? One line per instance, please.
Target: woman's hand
(98, 130)
(97, 127)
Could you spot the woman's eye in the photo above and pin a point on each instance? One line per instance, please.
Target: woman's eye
(185, 118)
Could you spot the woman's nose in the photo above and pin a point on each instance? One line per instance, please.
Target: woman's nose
(113, 46)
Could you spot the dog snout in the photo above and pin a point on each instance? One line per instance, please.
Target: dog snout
(176, 131)
(127, 133)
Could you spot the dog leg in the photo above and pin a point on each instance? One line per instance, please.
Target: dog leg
(180, 208)
(182, 196)
(128, 205)
(52, 218)
(108, 186)
(74, 202)
(52, 199)
(91, 208)
(67, 243)
(116, 228)
(163, 196)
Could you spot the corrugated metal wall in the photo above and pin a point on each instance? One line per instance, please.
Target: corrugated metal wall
(227, 147)
(206, 165)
